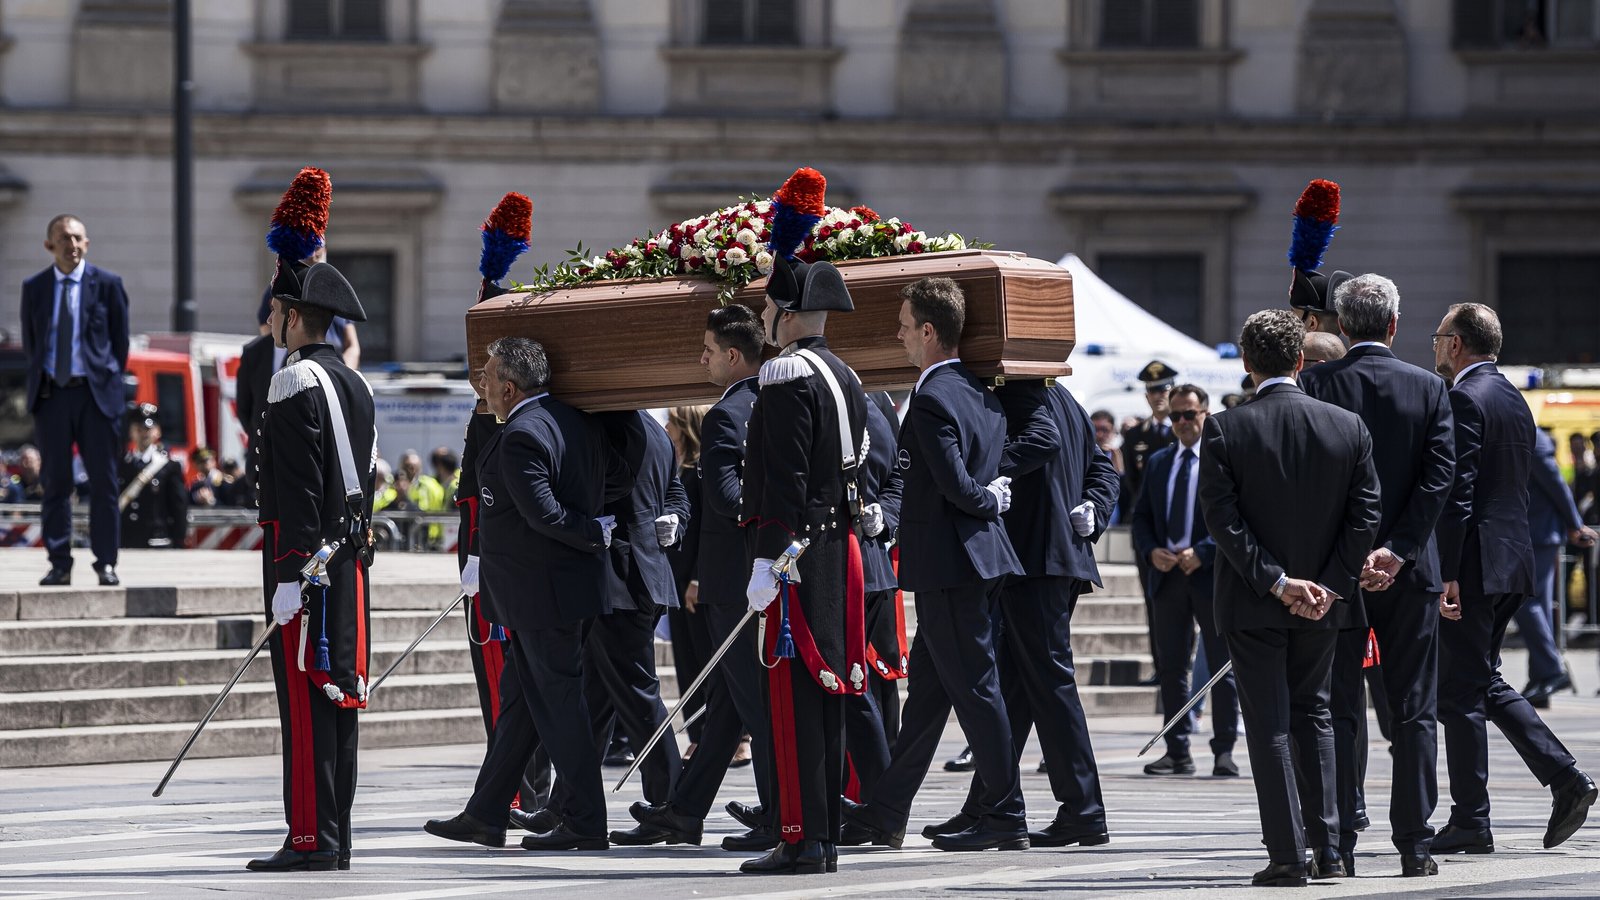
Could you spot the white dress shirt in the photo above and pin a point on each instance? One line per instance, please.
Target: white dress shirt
(1463, 373)
(1176, 542)
(72, 283)
(929, 370)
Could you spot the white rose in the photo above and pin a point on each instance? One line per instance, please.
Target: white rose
(686, 251)
(746, 237)
(764, 262)
(703, 236)
(845, 235)
(903, 241)
(737, 256)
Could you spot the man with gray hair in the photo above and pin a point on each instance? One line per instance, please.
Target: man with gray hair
(1408, 415)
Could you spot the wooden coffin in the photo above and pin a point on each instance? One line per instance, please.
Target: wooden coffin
(636, 344)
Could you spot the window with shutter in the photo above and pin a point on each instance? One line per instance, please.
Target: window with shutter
(1174, 23)
(1150, 23)
(1170, 286)
(336, 20)
(766, 22)
(310, 19)
(362, 20)
(1549, 307)
(724, 21)
(1122, 23)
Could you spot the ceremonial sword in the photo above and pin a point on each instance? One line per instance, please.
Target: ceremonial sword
(1226, 668)
(785, 575)
(215, 705)
(425, 632)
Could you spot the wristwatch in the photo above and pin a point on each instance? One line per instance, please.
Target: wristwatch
(1279, 585)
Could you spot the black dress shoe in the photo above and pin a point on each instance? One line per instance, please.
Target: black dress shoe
(1538, 701)
(1326, 864)
(541, 821)
(831, 854)
(1362, 821)
(56, 577)
(802, 858)
(756, 840)
(1417, 865)
(467, 830)
(1224, 766)
(286, 860)
(1281, 875)
(1570, 809)
(980, 838)
(1043, 768)
(564, 838)
(962, 763)
(344, 862)
(957, 822)
(666, 824)
(1064, 834)
(108, 576)
(856, 815)
(1451, 839)
(748, 815)
(1171, 765)
(645, 835)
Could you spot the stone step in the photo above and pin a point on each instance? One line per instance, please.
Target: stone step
(1118, 700)
(1093, 610)
(1111, 640)
(194, 600)
(1113, 671)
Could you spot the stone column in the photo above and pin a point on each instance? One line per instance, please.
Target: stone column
(1351, 61)
(952, 60)
(546, 57)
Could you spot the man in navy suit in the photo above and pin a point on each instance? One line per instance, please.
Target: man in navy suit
(1290, 496)
(75, 333)
(1406, 411)
(954, 554)
(1169, 530)
(1486, 561)
(1553, 520)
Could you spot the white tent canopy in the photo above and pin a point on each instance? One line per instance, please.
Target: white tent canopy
(1117, 337)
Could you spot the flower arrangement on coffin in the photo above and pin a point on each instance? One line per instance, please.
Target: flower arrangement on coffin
(732, 245)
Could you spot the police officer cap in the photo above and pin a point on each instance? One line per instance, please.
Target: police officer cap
(320, 285)
(807, 287)
(143, 414)
(1313, 291)
(1157, 375)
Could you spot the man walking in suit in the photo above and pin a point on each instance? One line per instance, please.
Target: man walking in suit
(544, 480)
(1291, 498)
(1169, 531)
(954, 554)
(1413, 448)
(1486, 560)
(75, 334)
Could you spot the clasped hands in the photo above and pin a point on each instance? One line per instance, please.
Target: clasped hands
(1185, 560)
(1307, 599)
(1380, 569)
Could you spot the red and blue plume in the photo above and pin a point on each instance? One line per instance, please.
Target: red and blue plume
(1316, 215)
(301, 216)
(797, 207)
(506, 235)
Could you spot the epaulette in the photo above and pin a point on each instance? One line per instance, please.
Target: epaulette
(780, 369)
(291, 380)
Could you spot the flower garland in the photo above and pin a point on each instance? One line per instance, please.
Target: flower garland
(729, 247)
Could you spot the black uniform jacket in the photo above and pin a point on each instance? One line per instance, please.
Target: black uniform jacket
(481, 428)
(1139, 443)
(1487, 513)
(641, 573)
(158, 516)
(1288, 486)
(724, 558)
(543, 482)
(880, 483)
(1407, 411)
(1054, 465)
(251, 384)
(304, 505)
(951, 444)
(794, 488)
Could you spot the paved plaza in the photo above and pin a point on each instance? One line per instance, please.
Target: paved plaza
(95, 831)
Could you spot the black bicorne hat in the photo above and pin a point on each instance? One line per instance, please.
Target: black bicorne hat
(320, 285)
(145, 414)
(808, 287)
(1313, 290)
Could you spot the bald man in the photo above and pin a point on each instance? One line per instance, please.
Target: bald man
(1321, 347)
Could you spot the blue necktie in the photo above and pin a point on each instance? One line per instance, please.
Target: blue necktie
(1178, 504)
(65, 327)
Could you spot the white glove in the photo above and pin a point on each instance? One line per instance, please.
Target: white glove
(1001, 489)
(1082, 517)
(469, 577)
(286, 602)
(872, 519)
(667, 529)
(607, 525)
(763, 587)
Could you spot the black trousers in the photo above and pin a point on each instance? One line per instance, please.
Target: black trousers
(548, 667)
(490, 671)
(1180, 604)
(808, 754)
(1141, 564)
(319, 754)
(736, 705)
(691, 647)
(953, 666)
(864, 740)
(69, 416)
(1283, 676)
(1473, 693)
(1406, 622)
(1040, 687)
(621, 670)
(886, 694)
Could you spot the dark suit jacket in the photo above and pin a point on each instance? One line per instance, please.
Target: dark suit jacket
(724, 561)
(880, 483)
(1054, 465)
(1407, 411)
(543, 480)
(951, 443)
(103, 333)
(250, 392)
(1551, 510)
(641, 573)
(1150, 522)
(1287, 485)
(1487, 514)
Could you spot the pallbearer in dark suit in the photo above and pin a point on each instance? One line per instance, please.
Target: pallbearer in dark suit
(888, 654)
(736, 699)
(1290, 496)
(1169, 532)
(259, 359)
(318, 445)
(954, 555)
(543, 482)
(1413, 448)
(1139, 443)
(1486, 560)
(156, 511)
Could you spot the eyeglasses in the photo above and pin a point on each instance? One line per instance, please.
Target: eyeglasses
(1443, 334)
(1188, 415)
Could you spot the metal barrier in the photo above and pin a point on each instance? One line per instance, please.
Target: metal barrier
(232, 528)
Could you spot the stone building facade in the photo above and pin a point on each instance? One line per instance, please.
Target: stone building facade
(1163, 140)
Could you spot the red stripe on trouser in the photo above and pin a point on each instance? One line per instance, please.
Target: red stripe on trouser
(301, 744)
(852, 783)
(786, 760)
(361, 627)
(899, 614)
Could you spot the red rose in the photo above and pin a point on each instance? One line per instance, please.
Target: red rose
(905, 228)
(914, 247)
(824, 232)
